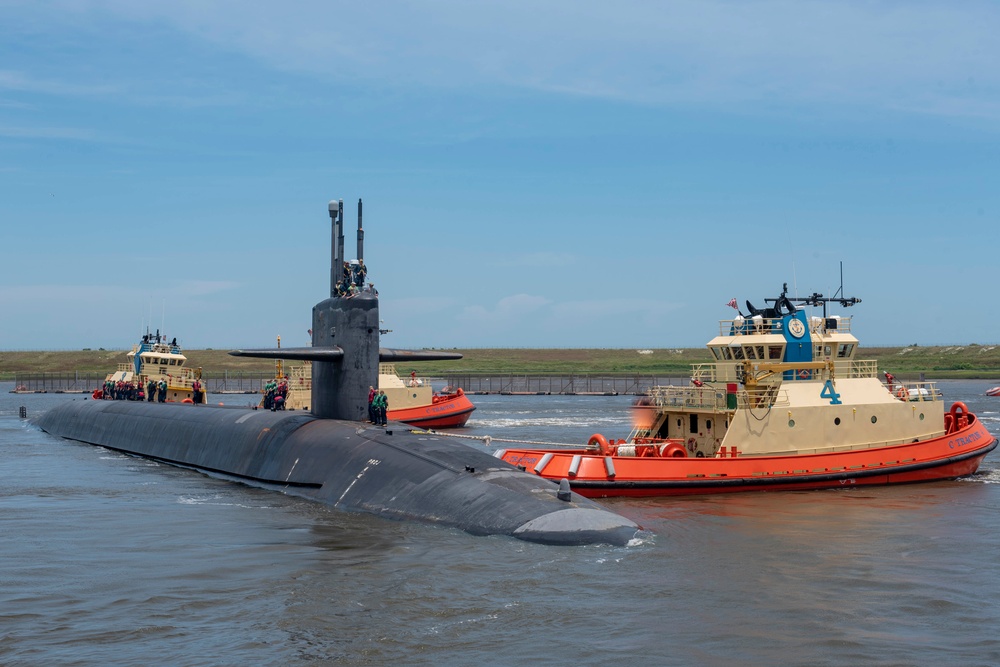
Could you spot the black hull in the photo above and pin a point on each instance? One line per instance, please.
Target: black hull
(352, 466)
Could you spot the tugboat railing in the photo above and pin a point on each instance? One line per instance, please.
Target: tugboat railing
(711, 398)
(917, 392)
(856, 368)
(717, 399)
(728, 372)
(764, 325)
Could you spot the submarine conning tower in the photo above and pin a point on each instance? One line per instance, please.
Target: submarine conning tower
(345, 348)
(350, 324)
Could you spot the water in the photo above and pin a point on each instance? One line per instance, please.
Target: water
(114, 560)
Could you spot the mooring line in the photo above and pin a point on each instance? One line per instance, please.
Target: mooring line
(486, 439)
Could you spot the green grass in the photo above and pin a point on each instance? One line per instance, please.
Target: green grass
(936, 362)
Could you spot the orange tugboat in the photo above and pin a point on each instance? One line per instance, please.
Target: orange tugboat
(412, 401)
(784, 406)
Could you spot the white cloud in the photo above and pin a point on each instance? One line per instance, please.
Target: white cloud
(934, 58)
(543, 260)
(929, 57)
(42, 132)
(205, 287)
(533, 321)
(20, 81)
(510, 311)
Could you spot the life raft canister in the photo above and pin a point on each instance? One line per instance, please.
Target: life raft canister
(672, 450)
(599, 442)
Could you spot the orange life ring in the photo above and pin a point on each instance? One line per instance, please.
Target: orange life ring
(187, 400)
(803, 374)
(903, 395)
(599, 442)
(673, 450)
(691, 444)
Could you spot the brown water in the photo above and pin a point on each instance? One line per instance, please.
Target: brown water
(109, 559)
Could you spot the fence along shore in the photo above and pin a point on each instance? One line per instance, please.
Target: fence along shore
(252, 382)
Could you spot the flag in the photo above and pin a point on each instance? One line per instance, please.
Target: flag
(732, 303)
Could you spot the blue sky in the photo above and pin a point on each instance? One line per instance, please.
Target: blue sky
(535, 174)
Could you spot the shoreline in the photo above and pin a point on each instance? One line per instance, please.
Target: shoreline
(908, 362)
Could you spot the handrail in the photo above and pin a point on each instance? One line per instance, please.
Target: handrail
(716, 398)
(764, 325)
(728, 371)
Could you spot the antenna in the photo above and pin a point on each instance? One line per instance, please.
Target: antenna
(361, 235)
(840, 292)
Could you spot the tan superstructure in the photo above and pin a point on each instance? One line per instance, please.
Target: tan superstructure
(402, 394)
(156, 360)
(753, 401)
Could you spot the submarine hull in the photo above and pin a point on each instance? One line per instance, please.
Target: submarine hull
(394, 472)
(332, 455)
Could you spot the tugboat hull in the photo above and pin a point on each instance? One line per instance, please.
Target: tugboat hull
(595, 475)
(447, 411)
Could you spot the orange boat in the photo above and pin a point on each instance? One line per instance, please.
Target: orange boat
(784, 406)
(995, 391)
(412, 401)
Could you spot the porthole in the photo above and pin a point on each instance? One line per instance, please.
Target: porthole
(874, 419)
(921, 416)
(708, 424)
(791, 423)
(836, 421)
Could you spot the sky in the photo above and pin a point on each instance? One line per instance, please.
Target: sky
(534, 174)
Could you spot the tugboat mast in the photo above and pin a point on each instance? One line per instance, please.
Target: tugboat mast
(816, 299)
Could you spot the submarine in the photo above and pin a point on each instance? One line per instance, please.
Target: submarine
(332, 455)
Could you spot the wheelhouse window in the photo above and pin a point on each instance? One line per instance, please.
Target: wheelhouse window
(823, 351)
